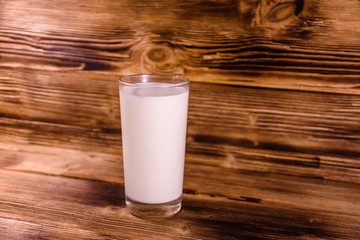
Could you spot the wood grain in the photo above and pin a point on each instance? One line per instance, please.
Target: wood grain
(273, 128)
(295, 162)
(242, 128)
(276, 44)
(95, 210)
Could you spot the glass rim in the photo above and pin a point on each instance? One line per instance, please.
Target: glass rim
(166, 76)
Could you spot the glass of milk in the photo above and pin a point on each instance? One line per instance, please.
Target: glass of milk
(153, 124)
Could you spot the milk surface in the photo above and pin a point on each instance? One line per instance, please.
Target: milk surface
(153, 120)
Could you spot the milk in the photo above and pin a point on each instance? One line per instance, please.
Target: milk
(153, 122)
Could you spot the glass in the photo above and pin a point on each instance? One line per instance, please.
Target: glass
(153, 124)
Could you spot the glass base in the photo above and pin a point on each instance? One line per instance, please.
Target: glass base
(147, 210)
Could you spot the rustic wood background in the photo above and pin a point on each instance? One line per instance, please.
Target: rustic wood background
(273, 148)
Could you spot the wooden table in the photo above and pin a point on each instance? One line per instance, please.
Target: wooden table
(273, 146)
(260, 187)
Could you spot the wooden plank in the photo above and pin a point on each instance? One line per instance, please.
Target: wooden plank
(62, 161)
(76, 98)
(229, 127)
(289, 132)
(200, 177)
(304, 45)
(32, 204)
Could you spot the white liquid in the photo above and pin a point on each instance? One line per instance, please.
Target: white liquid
(153, 120)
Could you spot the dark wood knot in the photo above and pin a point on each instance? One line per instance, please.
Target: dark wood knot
(159, 53)
(161, 58)
(153, 55)
(272, 14)
(281, 12)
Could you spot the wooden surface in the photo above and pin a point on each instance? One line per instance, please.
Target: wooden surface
(273, 147)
